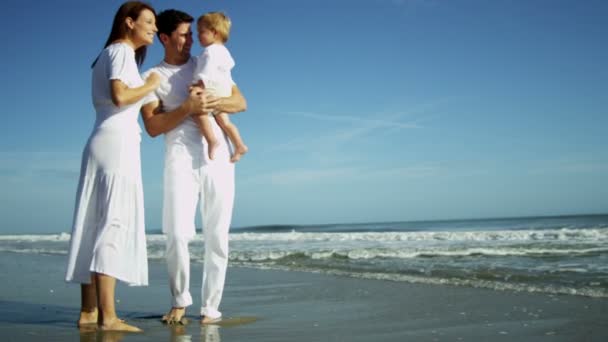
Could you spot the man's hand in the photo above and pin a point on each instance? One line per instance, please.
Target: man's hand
(201, 102)
(196, 102)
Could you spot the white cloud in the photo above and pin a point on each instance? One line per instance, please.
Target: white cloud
(418, 171)
(410, 3)
(344, 135)
(298, 176)
(569, 166)
(355, 120)
(33, 165)
(301, 176)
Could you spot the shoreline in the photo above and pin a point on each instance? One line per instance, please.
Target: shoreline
(296, 306)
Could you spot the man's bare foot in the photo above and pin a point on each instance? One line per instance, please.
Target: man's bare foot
(87, 318)
(117, 324)
(239, 151)
(211, 147)
(209, 320)
(175, 316)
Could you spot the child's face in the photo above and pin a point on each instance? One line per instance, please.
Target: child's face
(206, 36)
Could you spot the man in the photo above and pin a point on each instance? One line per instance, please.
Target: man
(189, 173)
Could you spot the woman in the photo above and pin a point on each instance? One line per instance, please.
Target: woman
(108, 239)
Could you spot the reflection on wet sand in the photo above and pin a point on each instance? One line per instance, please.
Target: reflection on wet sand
(178, 333)
(210, 333)
(90, 333)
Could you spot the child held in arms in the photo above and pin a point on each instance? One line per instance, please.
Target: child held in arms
(213, 73)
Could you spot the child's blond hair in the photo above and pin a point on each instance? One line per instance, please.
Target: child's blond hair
(218, 22)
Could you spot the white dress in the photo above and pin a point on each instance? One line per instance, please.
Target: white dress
(108, 234)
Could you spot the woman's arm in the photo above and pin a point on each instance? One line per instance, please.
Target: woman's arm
(122, 95)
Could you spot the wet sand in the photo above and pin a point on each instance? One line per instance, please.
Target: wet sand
(267, 305)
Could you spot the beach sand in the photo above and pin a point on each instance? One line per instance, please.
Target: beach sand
(36, 305)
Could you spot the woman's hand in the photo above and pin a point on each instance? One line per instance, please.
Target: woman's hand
(153, 80)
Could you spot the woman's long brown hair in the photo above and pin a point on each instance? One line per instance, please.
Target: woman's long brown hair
(130, 9)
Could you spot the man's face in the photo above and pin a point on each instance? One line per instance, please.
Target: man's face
(180, 41)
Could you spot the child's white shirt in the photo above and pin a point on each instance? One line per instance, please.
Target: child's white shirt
(214, 68)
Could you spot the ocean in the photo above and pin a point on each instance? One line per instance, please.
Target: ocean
(556, 255)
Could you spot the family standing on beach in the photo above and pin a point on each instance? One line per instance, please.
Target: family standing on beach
(175, 98)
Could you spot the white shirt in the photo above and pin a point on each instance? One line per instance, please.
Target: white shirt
(172, 92)
(214, 68)
(116, 62)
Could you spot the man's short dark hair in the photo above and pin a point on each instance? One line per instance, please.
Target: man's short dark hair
(168, 20)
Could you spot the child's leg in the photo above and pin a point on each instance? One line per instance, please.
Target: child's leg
(205, 127)
(240, 148)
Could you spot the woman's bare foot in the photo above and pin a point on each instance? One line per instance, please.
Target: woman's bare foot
(117, 324)
(211, 147)
(87, 318)
(239, 151)
(175, 315)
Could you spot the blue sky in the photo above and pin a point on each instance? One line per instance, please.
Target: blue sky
(359, 110)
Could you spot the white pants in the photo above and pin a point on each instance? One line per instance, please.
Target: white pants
(190, 176)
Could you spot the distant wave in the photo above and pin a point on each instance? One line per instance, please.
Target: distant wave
(36, 238)
(34, 250)
(487, 224)
(438, 279)
(387, 244)
(564, 234)
(488, 284)
(157, 252)
(274, 228)
(563, 260)
(371, 254)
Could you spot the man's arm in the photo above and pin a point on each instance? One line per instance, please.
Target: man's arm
(158, 122)
(233, 104)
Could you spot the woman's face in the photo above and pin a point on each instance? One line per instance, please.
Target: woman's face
(144, 28)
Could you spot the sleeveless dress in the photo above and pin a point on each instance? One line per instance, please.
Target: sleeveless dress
(108, 234)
